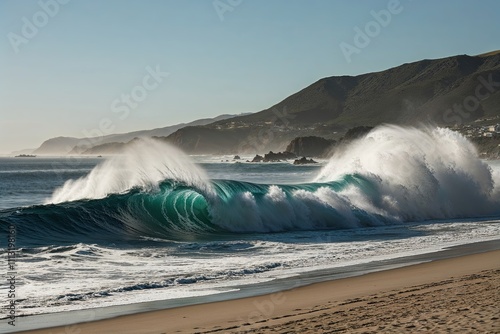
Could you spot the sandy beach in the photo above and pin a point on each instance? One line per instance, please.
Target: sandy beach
(460, 294)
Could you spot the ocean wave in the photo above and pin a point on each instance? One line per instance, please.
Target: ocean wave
(392, 175)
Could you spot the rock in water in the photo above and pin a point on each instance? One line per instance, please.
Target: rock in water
(258, 158)
(277, 157)
(304, 161)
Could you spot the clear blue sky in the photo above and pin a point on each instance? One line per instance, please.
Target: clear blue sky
(64, 78)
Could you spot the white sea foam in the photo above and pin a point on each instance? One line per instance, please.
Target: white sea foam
(394, 174)
(64, 278)
(419, 173)
(144, 164)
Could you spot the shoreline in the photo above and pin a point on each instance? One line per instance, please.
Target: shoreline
(290, 285)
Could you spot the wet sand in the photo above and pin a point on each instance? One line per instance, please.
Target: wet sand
(460, 294)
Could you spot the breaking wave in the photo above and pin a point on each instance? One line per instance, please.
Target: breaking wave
(391, 175)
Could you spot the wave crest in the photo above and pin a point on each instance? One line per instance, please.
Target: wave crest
(144, 164)
(424, 173)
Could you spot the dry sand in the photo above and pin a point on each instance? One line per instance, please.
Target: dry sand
(458, 295)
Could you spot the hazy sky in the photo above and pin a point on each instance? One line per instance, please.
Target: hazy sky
(73, 67)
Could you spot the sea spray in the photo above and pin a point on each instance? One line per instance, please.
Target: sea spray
(419, 173)
(144, 164)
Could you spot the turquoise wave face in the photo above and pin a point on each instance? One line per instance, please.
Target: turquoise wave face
(177, 211)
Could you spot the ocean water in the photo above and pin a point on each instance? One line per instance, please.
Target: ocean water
(155, 224)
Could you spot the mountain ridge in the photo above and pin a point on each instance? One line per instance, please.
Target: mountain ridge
(425, 91)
